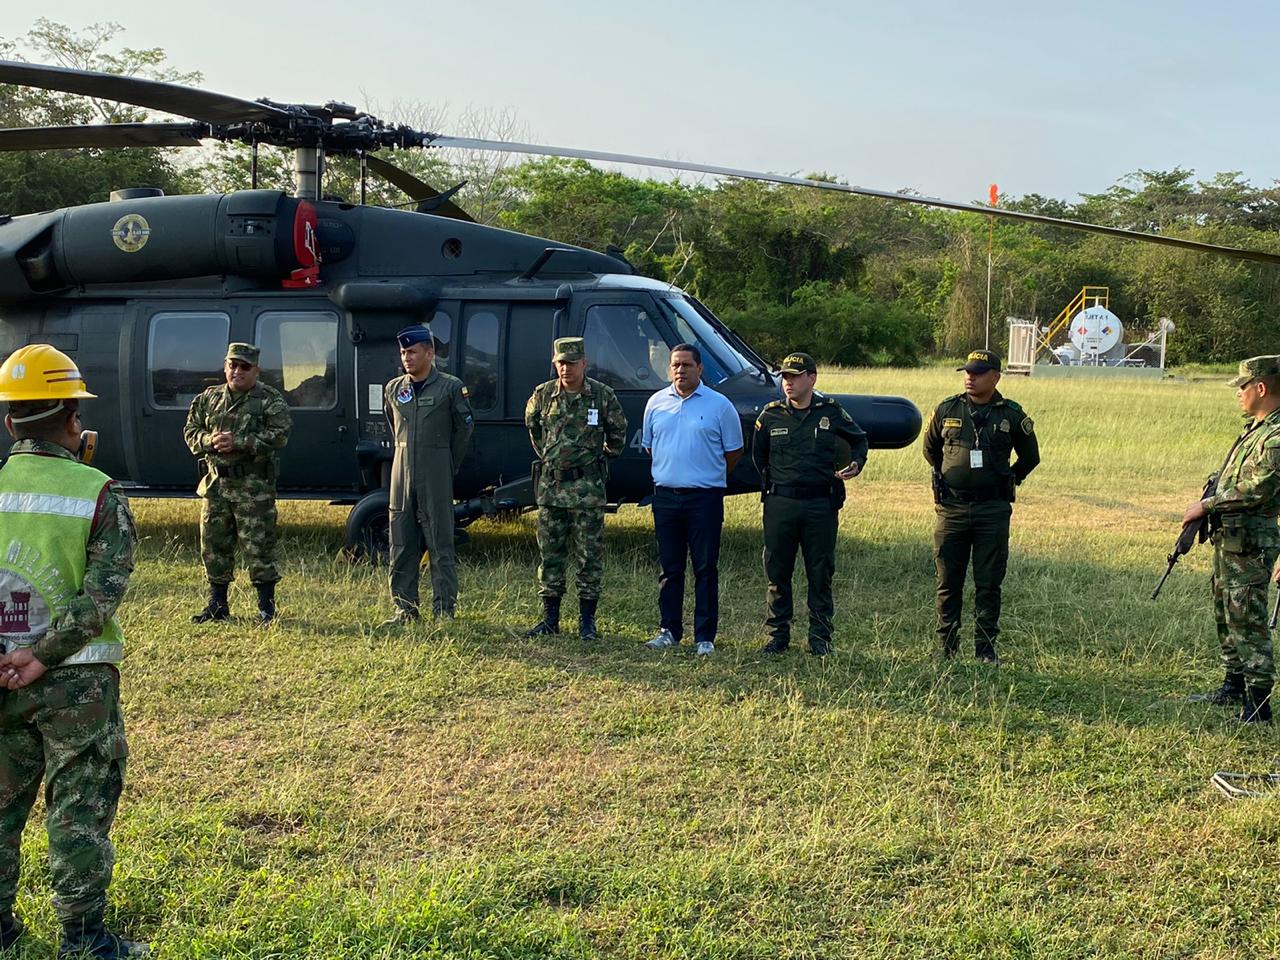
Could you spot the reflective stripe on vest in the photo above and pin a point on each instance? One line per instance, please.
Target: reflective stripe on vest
(47, 506)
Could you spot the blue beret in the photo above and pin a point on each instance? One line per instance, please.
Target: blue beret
(415, 334)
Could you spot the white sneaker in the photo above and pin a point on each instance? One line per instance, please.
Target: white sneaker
(663, 640)
(704, 648)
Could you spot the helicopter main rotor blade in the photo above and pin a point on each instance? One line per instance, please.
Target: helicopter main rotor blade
(152, 94)
(104, 135)
(414, 188)
(506, 146)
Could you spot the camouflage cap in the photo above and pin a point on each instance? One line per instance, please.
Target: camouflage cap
(245, 352)
(980, 361)
(1254, 367)
(569, 349)
(798, 363)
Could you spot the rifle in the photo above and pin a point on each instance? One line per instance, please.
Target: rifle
(1193, 531)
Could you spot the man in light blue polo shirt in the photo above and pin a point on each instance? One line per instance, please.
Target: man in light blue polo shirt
(695, 438)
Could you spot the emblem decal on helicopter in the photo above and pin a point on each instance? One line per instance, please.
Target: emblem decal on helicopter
(404, 394)
(131, 232)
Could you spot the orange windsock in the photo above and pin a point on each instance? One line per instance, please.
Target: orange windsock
(994, 194)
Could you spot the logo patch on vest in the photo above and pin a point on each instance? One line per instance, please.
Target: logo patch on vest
(779, 432)
(951, 422)
(24, 615)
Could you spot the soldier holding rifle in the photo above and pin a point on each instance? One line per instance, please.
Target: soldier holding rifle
(1242, 513)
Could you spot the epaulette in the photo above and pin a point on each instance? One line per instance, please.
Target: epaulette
(772, 404)
(951, 399)
(1012, 404)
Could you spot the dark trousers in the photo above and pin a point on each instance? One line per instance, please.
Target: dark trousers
(687, 523)
(808, 526)
(981, 531)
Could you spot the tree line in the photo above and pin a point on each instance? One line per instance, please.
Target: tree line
(853, 280)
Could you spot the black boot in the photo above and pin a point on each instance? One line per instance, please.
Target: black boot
(85, 937)
(985, 651)
(266, 602)
(1256, 705)
(778, 643)
(1231, 691)
(587, 618)
(217, 608)
(550, 622)
(10, 930)
(951, 643)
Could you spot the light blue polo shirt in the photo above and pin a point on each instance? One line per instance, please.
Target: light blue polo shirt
(690, 436)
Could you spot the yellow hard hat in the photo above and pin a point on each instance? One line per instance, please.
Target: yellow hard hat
(39, 372)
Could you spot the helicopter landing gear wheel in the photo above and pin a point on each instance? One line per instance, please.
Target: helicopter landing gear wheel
(368, 534)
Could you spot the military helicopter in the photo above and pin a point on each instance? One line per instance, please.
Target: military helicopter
(145, 291)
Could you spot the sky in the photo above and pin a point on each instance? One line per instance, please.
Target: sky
(940, 97)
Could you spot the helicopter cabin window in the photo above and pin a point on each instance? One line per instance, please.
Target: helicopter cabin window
(184, 356)
(441, 333)
(300, 357)
(624, 348)
(480, 357)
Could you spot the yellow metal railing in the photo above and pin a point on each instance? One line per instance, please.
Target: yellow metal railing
(1087, 297)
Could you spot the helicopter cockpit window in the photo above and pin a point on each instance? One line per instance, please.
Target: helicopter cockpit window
(441, 331)
(300, 357)
(624, 348)
(184, 355)
(720, 359)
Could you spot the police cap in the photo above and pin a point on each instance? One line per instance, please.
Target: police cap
(980, 361)
(798, 363)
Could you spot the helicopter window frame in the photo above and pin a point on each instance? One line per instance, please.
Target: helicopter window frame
(315, 317)
(721, 361)
(187, 343)
(604, 360)
(499, 311)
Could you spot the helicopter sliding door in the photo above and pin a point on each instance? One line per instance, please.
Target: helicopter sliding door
(301, 358)
(505, 352)
(183, 345)
(628, 348)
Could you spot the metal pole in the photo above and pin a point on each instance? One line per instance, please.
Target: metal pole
(987, 338)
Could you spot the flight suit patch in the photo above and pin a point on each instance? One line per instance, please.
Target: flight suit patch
(404, 394)
(952, 422)
(429, 401)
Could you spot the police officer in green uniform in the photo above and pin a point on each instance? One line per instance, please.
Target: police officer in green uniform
(805, 447)
(430, 417)
(576, 425)
(968, 443)
(1242, 515)
(69, 544)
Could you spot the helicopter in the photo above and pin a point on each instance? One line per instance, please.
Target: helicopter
(145, 291)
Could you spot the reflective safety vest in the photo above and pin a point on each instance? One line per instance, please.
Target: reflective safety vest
(47, 506)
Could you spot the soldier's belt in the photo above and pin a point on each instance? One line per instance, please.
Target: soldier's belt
(238, 471)
(798, 492)
(974, 496)
(565, 476)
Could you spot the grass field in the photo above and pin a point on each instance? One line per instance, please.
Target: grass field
(324, 790)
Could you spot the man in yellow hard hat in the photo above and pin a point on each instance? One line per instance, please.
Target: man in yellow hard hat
(68, 540)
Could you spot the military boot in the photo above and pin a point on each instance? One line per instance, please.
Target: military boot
(1231, 691)
(985, 650)
(587, 618)
(550, 622)
(10, 930)
(217, 608)
(951, 644)
(87, 937)
(266, 601)
(1255, 707)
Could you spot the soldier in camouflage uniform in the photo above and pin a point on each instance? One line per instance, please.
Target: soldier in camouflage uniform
(575, 424)
(63, 573)
(237, 431)
(968, 442)
(1242, 515)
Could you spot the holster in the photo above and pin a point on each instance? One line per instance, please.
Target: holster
(939, 488)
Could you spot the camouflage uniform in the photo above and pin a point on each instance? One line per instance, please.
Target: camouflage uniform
(239, 488)
(572, 435)
(1246, 542)
(67, 726)
(969, 448)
